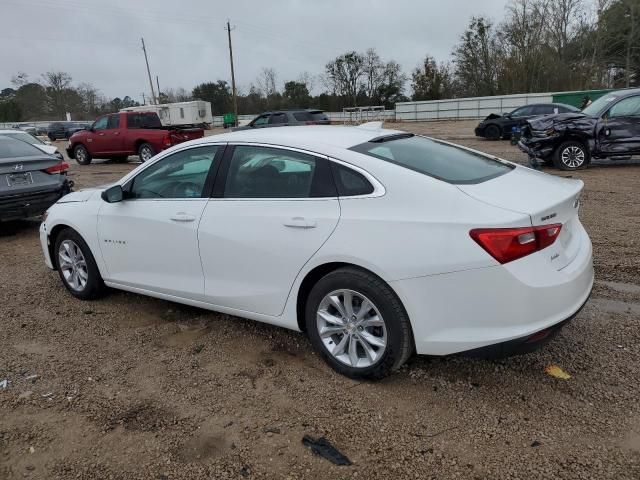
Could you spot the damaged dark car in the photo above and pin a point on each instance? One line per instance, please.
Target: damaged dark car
(495, 127)
(608, 128)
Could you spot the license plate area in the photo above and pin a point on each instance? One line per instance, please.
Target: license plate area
(19, 179)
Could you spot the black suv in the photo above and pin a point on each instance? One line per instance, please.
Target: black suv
(57, 130)
(608, 128)
(282, 118)
(496, 126)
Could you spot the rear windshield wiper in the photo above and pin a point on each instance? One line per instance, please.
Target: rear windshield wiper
(388, 138)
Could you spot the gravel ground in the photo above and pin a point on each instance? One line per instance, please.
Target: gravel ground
(130, 387)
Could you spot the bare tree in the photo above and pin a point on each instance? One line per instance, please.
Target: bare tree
(343, 75)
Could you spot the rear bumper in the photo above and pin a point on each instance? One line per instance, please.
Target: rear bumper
(467, 310)
(13, 207)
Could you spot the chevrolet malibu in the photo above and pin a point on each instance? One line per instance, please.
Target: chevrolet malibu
(376, 243)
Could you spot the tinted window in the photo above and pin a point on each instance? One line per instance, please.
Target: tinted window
(629, 107)
(522, 111)
(25, 137)
(181, 175)
(100, 124)
(544, 109)
(437, 159)
(278, 118)
(262, 120)
(114, 121)
(349, 182)
(303, 116)
(262, 172)
(10, 147)
(143, 120)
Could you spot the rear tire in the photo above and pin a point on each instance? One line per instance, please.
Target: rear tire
(366, 342)
(571, 155)
(492, 132)
(82, 155)
(76, 266)
(145, 152)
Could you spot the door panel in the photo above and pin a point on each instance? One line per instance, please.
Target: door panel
(252, 250)
(278, 208)
(150, 239)
(619, 130)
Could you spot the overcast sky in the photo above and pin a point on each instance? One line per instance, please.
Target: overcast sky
(99, 41)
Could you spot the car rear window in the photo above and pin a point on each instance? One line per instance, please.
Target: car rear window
(436, 159)
(143, 120)
(10, 147)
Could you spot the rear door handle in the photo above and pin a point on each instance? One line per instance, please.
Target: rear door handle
(299, 222)
(182, 217)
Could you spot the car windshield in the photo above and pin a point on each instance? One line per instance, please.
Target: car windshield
(10, 147)
(25, 137)
(437, 159)
(598, 105)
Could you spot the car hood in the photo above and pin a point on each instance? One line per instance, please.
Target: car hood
(80, 196)
(548, 121)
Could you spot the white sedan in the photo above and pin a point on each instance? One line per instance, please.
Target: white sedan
(376, 243)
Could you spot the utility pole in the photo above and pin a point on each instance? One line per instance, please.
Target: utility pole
(153, 93)
(144, 101)
(158, 85)
(233, 76)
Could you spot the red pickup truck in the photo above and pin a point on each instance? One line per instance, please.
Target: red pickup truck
(118, 135)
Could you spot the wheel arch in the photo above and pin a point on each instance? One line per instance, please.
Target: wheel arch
(316, 273)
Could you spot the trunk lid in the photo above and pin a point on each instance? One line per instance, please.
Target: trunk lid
(27, 164)
(547, 200)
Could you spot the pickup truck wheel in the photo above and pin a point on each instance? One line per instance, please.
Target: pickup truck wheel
(82, 155)
(571, 155)
(145, 152)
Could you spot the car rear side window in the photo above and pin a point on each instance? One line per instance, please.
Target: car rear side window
(436, 159)
(350, 183)
(303, 116)
(278, 118)
(265, 172)
(143, 120)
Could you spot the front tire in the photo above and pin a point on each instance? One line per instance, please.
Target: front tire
(571, 155)
(145, 152)
(492, 132)
(77, 267)
(358, 325)
(82, 155)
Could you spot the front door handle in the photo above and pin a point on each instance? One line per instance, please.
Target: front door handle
(182, 217)
(299, 222)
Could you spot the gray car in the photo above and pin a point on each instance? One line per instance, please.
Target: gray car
(30, 180)
(282, 118)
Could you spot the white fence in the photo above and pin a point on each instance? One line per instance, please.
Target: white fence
(465, 108)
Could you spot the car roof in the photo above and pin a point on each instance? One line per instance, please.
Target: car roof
(304, 137)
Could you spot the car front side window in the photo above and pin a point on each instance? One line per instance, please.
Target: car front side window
(101, 123)
(629, 107)
(178, 176)
(261, 121)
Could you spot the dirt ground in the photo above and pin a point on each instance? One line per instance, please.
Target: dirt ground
(130, 387)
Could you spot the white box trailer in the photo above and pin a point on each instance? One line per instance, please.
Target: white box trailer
(181, 114)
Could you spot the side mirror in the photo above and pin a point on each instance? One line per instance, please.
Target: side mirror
(113, 194)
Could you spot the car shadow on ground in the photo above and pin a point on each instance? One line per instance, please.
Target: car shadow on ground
(14, 227)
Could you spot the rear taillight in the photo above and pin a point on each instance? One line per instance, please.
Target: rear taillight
(167, 140)
(508, 244)
(58, 168)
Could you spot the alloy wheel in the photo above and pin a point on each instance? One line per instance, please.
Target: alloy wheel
(73, 265)
(573, 157)
(81, 155)
(145, 154)
(351, 328)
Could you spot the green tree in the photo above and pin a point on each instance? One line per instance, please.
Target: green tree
(296, 94)
(218, 93)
